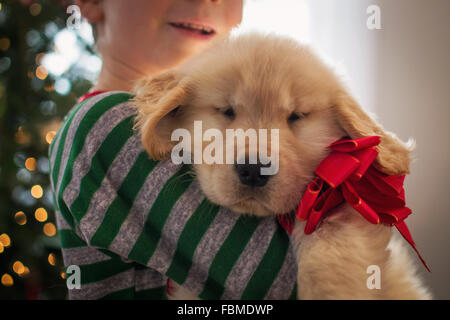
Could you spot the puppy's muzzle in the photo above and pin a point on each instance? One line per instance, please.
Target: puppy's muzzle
(250, 174)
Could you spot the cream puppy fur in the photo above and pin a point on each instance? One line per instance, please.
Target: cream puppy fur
(269, 82)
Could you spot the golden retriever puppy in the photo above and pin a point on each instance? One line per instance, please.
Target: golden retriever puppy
(253, 82)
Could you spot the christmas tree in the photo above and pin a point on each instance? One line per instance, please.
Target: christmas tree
(44, 66)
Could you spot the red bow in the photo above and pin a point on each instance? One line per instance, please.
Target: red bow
(347, 174)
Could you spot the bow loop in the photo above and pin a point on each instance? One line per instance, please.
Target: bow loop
(347, 174)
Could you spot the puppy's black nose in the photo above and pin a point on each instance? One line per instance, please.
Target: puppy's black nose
(250, 174)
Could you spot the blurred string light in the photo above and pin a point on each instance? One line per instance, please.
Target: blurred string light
(7, 280)
(4, 43)
(49, 136)
(69, 52)
(52, 259)
(30, 164)
(43, 165)
(49, 87)
(20, 218)
(41, 214)
(25, 272)
(5, 240)
(49, 229)
(21, 136)
(18, 267)
(35, 9)
(23, 196)
(41, 73)
(37, 191)
(38, 58)
(2, 248)
(62, 86)
(24, 176)
(5, 63)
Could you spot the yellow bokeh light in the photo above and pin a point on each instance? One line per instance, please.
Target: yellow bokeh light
(7, 280)
(37, 191)
(39, 57)
(25, 272)
(52, 259)
(49, 87)
(21, 136)
(49, 229)
(63, 275)
(5, 240)
(20, 218)
(4, 44)
(41, 73)
(41, 214)
(2, 248)
(49, 136)
(35, 9)
(30, 164)
(18, 267)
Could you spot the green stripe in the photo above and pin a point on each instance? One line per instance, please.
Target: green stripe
(269, 267)
(146, 244)
(69, 115)
(100, 163)
(124, 294)
(102, 270)
(56, 166)
(190, 237)
(65, 127)
(294, 293)
(118, 210)
(69, 239)
(227, 256)
(158, 293)
(89, 120)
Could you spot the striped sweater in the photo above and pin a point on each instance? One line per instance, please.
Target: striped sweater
(130, 222)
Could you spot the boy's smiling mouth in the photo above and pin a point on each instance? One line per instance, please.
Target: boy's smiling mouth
(201, 31)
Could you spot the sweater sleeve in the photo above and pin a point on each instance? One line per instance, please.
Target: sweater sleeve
(112, 199)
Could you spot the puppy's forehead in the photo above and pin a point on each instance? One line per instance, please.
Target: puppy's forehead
(258, 70)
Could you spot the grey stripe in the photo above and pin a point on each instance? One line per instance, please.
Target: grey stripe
(180, 214)
(280, 289)
(106, 193)
(134, 223)
(94, 139)
(83, 255)
(244, 268)
(71, 134)
(208, 248)
(60, 221)
(99, 289)
(149, 279)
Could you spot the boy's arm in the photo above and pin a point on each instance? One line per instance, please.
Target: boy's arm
(110, 195)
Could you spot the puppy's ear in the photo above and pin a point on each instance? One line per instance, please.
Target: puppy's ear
(156, 100)
(394, 155)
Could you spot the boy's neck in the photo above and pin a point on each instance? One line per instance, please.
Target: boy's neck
(116, 75)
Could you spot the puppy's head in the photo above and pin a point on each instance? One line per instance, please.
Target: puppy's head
(255, 82)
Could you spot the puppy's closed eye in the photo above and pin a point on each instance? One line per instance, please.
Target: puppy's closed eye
(227, 111)
(294, 116)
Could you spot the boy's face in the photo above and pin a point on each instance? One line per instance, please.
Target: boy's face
(159, 34)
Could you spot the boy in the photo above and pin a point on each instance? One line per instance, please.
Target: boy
(129, 222)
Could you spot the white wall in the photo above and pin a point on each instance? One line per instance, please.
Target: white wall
(413, 100)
